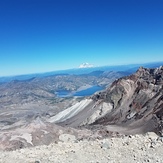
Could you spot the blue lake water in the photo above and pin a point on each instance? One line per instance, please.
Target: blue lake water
(86, 92)
(63, 93)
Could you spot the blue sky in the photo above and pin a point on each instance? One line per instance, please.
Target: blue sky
(47, 35)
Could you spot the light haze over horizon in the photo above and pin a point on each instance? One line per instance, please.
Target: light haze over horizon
(47, 35)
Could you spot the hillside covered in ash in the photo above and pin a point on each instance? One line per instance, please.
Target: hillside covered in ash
(130, 105)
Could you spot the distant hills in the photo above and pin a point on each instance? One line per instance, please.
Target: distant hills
(82, 70)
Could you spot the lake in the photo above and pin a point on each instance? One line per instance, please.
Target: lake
(85, 92)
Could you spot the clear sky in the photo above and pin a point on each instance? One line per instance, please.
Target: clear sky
(47, 35)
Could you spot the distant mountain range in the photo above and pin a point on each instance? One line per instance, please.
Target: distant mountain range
(83, 70)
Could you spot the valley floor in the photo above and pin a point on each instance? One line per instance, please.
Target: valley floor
(135, 149)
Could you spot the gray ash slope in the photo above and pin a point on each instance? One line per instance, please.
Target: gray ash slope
(132, 104)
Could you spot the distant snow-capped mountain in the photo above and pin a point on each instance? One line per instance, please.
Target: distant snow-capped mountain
(86, 65)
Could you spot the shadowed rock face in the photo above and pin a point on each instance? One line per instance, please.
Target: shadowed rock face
(137, 101)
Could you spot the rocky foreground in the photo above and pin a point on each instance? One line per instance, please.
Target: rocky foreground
(137, 148)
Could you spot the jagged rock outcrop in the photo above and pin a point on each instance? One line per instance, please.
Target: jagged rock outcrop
(137, 100)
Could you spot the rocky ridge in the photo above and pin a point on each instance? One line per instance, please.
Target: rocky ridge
(137, 101)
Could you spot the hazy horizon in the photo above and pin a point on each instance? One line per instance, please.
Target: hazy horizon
(44, 36)
(94, 68)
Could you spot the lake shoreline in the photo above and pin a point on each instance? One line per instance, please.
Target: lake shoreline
(86, 90)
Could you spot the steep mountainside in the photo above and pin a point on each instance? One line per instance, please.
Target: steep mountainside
(134, 103)
(137, 100)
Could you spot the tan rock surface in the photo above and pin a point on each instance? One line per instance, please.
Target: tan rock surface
(135, 149)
